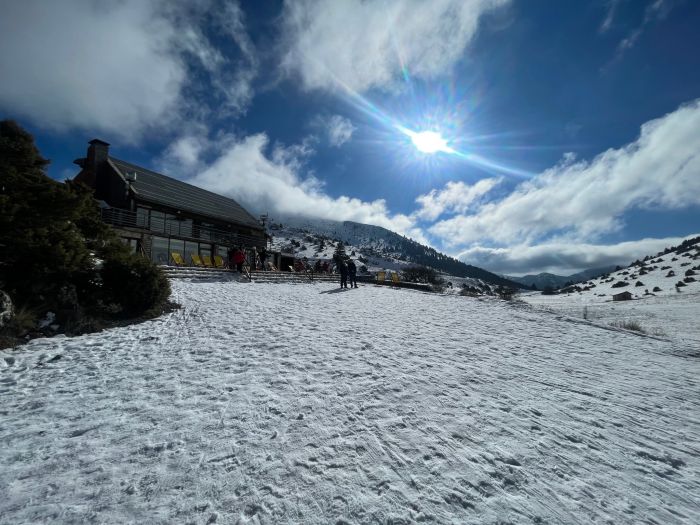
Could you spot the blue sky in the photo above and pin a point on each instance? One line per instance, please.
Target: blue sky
(572, 129)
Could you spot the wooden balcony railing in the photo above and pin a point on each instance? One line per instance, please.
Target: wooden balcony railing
(179, 229)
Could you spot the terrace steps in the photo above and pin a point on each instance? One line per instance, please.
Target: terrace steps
(218, 274)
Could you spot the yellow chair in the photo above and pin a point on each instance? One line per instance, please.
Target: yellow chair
(177, 259)
(394, 277)
(196, 260)
(206, 259)
(219, 261)
(380, 277)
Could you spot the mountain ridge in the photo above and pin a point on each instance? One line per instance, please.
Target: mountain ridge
(380, 243)
(545, 279)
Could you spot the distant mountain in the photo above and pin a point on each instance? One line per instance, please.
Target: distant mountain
(544, 280)
(381, 248)
(672, 271)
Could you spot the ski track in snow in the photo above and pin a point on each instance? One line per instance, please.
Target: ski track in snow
(276, 403)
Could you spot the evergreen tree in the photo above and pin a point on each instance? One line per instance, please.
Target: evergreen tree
(44, 251)
(52, 241)
(339, 253)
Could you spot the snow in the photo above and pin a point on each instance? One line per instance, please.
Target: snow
(668, 313)
(280, 403)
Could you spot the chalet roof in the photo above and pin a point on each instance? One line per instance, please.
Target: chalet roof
(154, 187)
(623, 294)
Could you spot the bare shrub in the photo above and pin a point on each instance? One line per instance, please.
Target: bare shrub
(629, 325)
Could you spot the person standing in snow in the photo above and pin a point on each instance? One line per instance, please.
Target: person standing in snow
(239, 259)
(230, 258)
(352, 273)
(343, 270)
(263, 255)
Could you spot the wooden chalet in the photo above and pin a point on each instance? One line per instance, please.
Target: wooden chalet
(158, 215)
(623, 296)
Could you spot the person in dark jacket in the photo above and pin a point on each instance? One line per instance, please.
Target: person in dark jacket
(343, 270)
(352, 273)
(262, 254)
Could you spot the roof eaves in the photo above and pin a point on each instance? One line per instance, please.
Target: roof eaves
(118, 171)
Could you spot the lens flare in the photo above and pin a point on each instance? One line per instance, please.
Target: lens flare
(429, 142)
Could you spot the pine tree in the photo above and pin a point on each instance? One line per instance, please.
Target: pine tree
(43, 250)
(339, 253)
(51, 236)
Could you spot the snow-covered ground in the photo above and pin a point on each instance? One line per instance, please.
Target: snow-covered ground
(668, 312)
(275, 403)
(675, 317)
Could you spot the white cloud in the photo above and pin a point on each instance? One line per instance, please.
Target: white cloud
(454, 197)
(563, 258)
(655, 11)
(365, 44)
(117, 67)
(339, 130)
(586, 199)
(610, 10)
(103, 66)
(184, 154)
(272, 182)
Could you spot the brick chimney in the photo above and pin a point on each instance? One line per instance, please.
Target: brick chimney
(97, 153)
(93, 165)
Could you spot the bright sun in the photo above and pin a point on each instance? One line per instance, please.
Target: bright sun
(429, 142)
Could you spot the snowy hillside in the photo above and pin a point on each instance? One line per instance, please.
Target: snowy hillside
(665, 289)
(676, 270)
(550, 280)
(276, 403)
(375, 247)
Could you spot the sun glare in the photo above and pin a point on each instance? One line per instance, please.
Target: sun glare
(429, 142)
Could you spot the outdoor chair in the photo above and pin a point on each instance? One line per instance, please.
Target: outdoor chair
(206, 259)
(177, 259)
(380, 277)
(394, 277)
(196, 260)
(219, 262)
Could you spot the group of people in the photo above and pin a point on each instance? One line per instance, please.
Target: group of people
(237, 258)
(346, 268)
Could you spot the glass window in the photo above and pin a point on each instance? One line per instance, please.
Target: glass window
(159, 250)
(157, 221)
(177, 245)
(142, 217)
(205, 249)
(185, 227)
(190, 249)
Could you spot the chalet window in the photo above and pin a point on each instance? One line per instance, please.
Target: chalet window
(160, 253)
(177, 245)
(191, 248)
(185, 227)
(142, 217)
(157, 221)
(133, 244)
